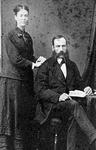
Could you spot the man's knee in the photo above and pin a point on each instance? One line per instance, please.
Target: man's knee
(74, 103)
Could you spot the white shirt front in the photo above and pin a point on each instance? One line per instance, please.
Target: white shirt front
(63, 67)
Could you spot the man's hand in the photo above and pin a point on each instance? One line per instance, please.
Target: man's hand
(88, 90)
(63, 97)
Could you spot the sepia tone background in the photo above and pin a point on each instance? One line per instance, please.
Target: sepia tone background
(73, 18)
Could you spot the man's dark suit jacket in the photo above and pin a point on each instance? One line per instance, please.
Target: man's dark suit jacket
(50, 84)
(17, 55)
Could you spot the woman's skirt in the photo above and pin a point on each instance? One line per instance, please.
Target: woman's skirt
(17, 106)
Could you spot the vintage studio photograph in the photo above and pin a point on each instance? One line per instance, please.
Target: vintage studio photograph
(47, 74)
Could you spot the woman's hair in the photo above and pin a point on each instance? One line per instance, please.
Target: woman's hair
(19, 7)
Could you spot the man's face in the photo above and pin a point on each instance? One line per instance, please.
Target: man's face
(60, 47)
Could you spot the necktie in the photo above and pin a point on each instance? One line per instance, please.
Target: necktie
(63, 61)
(63, 66)
(64, 70)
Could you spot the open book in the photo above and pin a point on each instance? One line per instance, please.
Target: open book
(77, 93)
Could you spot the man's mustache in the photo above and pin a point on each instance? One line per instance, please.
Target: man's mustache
(62, 55)
(59, 55)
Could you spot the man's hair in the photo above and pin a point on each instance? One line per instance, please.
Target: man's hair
(19, 7)
(58, 37)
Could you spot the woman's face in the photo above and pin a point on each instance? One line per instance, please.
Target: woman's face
(22, 18)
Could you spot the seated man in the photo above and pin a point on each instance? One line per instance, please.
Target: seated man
(55, 78)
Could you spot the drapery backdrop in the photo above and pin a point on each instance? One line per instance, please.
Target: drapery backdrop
(89, 74)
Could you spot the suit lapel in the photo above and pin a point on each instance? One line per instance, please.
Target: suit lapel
(57, 73)
(70, 73)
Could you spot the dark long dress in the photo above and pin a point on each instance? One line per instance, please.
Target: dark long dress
(16, 86)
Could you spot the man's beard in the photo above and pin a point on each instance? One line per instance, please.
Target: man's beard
(62, 55)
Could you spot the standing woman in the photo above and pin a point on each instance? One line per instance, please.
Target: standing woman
(16, 83)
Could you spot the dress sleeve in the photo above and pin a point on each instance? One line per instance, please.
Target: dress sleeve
(14, 55)
(32, 57)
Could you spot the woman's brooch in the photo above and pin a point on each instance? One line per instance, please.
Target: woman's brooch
(20, 35)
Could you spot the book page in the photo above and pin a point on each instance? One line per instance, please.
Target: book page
(77, 93)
